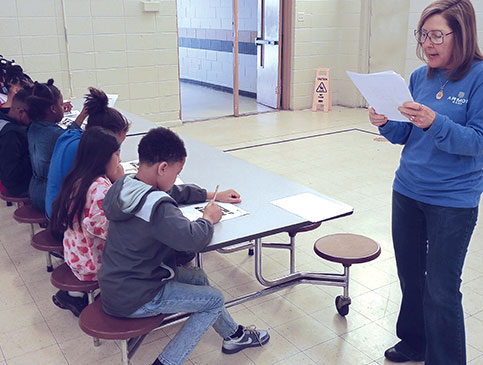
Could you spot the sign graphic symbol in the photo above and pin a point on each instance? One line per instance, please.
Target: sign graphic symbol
(321, 88)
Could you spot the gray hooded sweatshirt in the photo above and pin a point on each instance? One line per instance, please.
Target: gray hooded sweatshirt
(145, 227)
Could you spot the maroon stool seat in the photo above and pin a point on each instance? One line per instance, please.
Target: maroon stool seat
(4, 195)
(130, 331)
(44, 241)
(30, 215)
(347, 249)
(64, 279)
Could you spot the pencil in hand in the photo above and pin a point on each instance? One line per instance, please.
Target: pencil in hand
(214, 195)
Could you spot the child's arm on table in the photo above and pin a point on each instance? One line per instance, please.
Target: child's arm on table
(227, 196)
(178, 232)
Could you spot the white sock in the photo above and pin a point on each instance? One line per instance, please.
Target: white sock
(77, 294)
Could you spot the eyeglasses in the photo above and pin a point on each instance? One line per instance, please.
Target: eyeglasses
(435, 36)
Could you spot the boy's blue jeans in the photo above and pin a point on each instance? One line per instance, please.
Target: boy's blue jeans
(189, 291)
(430, 244)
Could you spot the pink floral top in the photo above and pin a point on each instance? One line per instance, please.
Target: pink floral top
(83, 244)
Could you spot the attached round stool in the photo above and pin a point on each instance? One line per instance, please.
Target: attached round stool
(130, 331)
(30, 215)
(346, 249)
(64, 279)
(4, 195)
(43, 241)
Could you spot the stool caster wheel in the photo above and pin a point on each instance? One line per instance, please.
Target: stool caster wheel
(250, 252)
(50, 268)
(342, 305)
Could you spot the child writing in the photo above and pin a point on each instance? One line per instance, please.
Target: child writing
(138, 277)
(78, 209)
(100, 114)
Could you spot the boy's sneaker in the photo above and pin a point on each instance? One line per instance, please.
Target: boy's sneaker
(251, 337)
(63, 300)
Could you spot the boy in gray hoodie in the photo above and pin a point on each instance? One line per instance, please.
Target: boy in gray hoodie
(138, 277)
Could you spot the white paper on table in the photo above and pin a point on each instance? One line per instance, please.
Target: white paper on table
(228, 211)
(384, 91)
(131, 167)
(68, 118)
(112, 98)
(312, 207)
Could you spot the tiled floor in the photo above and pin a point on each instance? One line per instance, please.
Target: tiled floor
(201, 103)
(335, 153)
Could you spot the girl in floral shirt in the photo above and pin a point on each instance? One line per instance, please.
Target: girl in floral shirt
(78, 212)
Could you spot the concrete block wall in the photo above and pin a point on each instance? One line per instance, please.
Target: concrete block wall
(327, 34)
(205, 40)
(333, 33)
(116, 46)
(113, 44)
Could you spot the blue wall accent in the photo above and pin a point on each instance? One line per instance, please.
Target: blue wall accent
(217, 45)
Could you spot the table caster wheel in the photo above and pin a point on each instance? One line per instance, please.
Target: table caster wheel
(342, 305)
(250, 252)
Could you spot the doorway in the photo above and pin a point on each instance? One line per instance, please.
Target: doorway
(209, 54)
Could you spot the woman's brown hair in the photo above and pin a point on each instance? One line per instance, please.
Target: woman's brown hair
(460, 16)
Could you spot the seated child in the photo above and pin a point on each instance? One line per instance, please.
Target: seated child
(78, 208)
(138, 277)
(100, 114)
(14, 81)
(15, 169)
(45, 109)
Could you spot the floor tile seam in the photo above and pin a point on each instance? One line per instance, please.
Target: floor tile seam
(39, 349)
(295, 139)
(343, 339)
(295, 345)
(42, 315)
(23, 283)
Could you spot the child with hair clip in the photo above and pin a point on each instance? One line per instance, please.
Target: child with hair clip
(45, 109)
(14, 81)
(100, 114)
(78, 209)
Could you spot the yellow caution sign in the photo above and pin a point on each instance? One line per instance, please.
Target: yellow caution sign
(322, 96)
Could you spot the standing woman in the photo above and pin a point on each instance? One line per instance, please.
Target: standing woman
(438, 184)
(45, 109)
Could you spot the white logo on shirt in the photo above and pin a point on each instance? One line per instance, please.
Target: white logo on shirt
(458, 100)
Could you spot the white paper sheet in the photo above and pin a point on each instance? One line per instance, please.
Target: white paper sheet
(384, 91)
(229, 211)
(112, 98)
(312, 207)
(131, 167)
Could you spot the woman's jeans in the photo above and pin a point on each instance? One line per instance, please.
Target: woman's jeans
(430, 244)
(189, 291)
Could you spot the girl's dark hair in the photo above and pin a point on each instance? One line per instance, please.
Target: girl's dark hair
(44, 95)
(14, 75)
(95, 150)
(101, 115)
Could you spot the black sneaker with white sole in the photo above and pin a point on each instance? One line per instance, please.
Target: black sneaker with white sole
(251, 337)
(63, 300)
